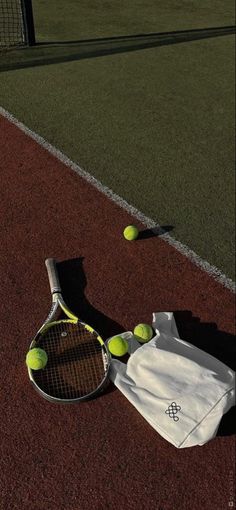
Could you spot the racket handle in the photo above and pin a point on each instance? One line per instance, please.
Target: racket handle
(53, 276)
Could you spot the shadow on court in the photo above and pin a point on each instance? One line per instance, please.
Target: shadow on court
(157, 231)
(73, 283)
(47, 53)
(221, 345)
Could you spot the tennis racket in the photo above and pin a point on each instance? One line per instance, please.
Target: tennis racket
(78, 359)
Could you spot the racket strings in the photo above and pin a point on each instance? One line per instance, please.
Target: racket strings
(76, 361)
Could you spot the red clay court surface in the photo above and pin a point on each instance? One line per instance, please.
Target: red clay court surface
(101, 454)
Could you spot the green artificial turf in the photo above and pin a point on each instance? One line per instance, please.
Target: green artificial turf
(155, 124)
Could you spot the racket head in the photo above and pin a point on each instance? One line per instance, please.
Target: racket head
(78, 362)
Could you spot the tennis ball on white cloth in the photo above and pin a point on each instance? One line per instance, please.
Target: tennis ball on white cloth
(118, 346)
(143, 333)
(36, 358)
(130, 232)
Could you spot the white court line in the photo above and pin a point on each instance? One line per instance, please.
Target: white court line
(213, 271)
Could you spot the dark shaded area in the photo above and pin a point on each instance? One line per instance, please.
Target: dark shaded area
(228, 423)
(73, 284)
(66, 51)
(207, 337)
(221, 345)
(154, 232)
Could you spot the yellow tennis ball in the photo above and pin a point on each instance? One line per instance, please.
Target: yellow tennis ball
(143, 332)
(118, 346)
(130, 232)
(36, 358)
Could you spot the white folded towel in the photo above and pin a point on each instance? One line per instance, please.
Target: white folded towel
(179, 389)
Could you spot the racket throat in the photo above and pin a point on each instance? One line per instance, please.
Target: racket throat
(56, 296)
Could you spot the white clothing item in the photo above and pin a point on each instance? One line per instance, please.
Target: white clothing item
(179, 389)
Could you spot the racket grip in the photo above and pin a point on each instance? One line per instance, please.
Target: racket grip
(53, 275)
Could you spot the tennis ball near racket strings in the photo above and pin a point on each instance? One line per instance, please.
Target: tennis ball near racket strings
(118, 346)
(36, 358)
(143, 333)
(130, 232)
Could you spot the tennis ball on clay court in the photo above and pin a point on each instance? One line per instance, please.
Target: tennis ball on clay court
(118, 346)
(130, 232)
(143, 332)
(36, 358)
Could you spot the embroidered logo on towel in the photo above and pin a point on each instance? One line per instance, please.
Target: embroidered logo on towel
(172, 410)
